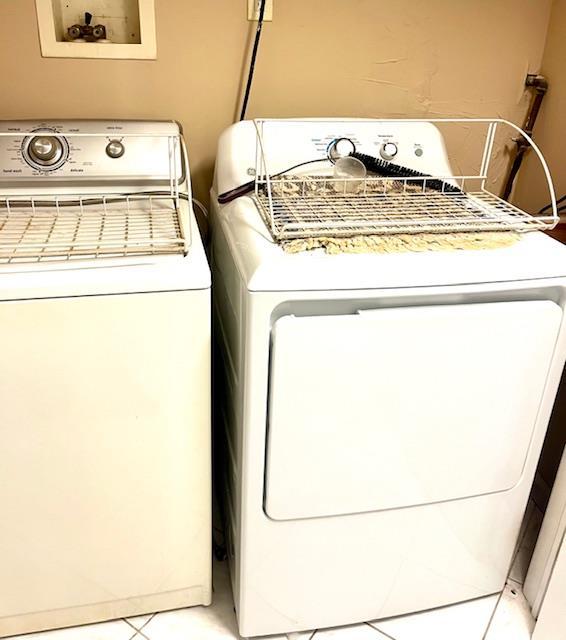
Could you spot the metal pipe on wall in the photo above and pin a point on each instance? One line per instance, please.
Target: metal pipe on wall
(540, 85)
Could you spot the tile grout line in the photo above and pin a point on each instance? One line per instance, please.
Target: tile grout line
(130, 624)
(493, 614)
(139, 631)
(151, 616)
(369, 624)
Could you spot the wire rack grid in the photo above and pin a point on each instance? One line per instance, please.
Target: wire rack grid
(73, 227)
(301, 206)
(39, 227)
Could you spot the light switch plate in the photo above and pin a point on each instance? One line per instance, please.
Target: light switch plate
(253, 10)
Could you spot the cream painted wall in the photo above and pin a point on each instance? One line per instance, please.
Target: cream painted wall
(318, 57)
(532, 194)
(550, 130)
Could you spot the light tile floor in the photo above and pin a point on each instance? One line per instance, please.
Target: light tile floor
(503, 617)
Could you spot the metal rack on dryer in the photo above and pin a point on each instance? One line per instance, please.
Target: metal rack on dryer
(60, 223)
(317, 204)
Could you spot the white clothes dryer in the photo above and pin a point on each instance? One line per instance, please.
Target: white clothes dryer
(383, 413)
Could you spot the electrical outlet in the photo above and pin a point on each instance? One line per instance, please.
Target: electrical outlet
(253, 10)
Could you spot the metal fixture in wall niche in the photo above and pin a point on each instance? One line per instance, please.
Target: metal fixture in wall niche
(540, 86)
(97, 29)
(86, 32)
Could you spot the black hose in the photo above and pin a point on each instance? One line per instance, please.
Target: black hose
(252, 61)
(549, 205)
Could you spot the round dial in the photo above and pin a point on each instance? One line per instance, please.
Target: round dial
(388, 150)
(45, 152)
(115, 149)
(45, 149)
(340, 148)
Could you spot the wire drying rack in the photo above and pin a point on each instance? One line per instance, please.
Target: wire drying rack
(304, 206)
(67, 226)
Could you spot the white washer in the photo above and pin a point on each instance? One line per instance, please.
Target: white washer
(104, 376)
(384, 413)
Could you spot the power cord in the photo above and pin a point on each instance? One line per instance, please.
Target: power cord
(202, 208)
(252, 61)
(248, 187)
(202, 220)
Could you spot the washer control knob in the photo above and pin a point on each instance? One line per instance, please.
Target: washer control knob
(388, 150)
(45, 150)
(115, 149)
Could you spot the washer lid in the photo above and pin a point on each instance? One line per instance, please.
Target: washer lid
(266, 267)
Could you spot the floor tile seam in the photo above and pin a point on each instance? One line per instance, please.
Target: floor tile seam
(130, 624)
(151, 617)
(373, 626)
(491, 618)
(139, 631)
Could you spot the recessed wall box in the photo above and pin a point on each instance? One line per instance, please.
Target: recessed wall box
(97, 28)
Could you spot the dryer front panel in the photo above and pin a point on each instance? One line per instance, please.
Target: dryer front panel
(400, 407)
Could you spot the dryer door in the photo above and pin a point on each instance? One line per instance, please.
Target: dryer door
(400, 407)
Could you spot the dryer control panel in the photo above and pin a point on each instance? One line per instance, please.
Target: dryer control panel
(418, 145)
(91, 150)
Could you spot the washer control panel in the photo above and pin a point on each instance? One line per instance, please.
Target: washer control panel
(90, 150)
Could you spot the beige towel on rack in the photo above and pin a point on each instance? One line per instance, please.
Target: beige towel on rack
(404, 242)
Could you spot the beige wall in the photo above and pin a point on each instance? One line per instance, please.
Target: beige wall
(532, 193)
(550, 130)
(318, 57)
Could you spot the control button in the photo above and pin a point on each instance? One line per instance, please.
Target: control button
(115, 149)
(388, 150)
(45, 150)
(419, 152)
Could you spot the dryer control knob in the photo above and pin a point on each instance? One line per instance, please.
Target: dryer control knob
(115, 149)
(388, 150)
